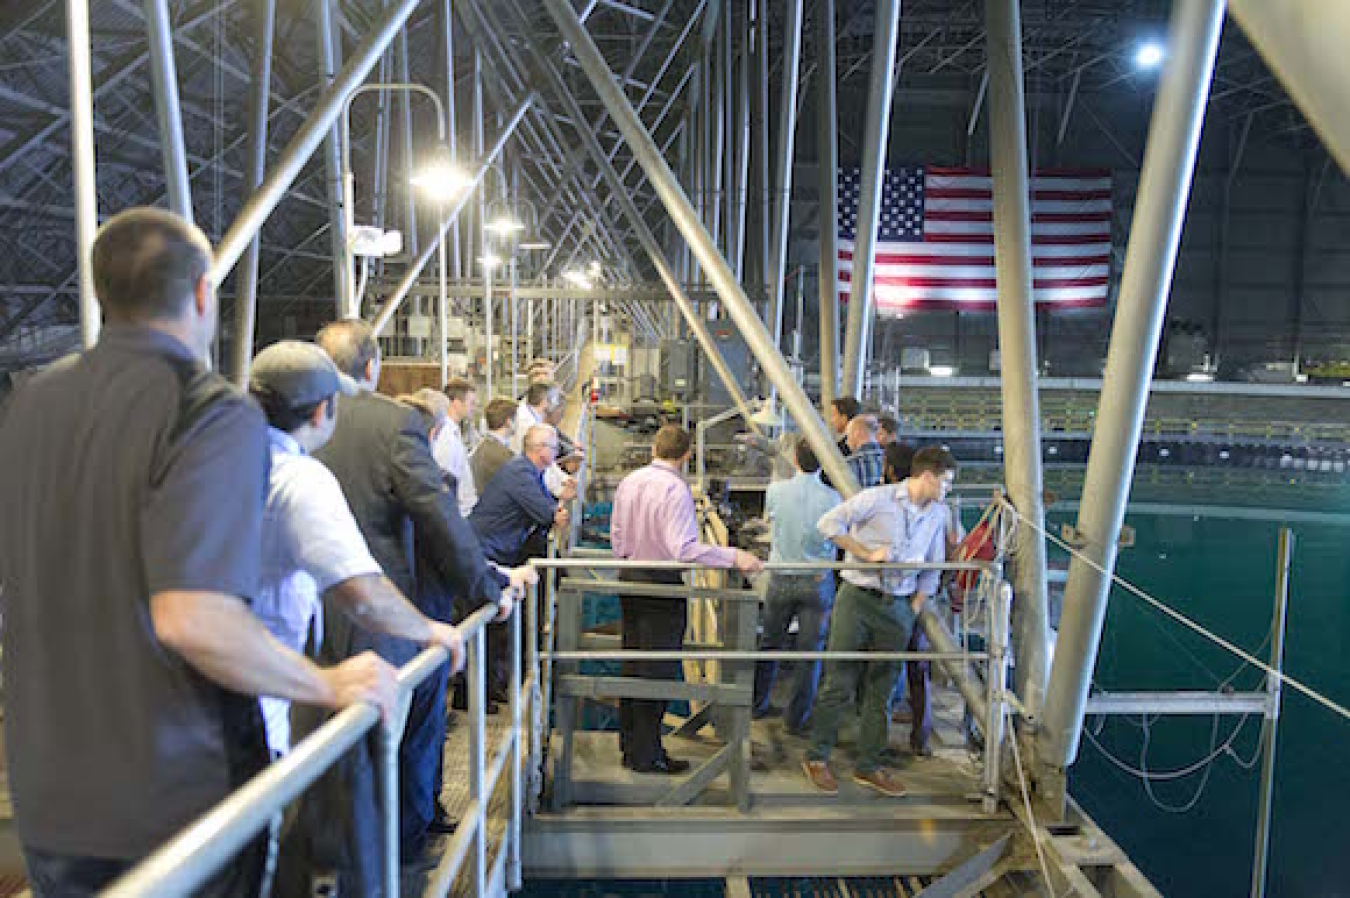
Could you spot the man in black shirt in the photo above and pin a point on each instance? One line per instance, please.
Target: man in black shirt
(132, 483)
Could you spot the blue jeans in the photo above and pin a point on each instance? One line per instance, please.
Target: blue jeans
(807, 597)
(420, 754)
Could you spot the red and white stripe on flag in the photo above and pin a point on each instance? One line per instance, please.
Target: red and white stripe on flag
(952, 267)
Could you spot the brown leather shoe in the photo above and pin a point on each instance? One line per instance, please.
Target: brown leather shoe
(818, 772)
(880, 781)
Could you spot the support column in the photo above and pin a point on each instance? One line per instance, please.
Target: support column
(762, 144)
(329, 59)
(1155, 235)
(82, 165)
(860, 301)
(451, 138)
(168, 112)
(742, 179)
(719, 273)
(1284, 560)
(828, 154)
(787, 132)
(260, 81)
(1017, 345)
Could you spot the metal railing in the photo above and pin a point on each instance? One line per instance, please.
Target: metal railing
(206, 846)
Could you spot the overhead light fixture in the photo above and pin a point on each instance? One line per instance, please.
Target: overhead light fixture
(504, 225)
(1200, 377)
(441, 181)
(489, 260)
(1149, 55)
(535, 245)
(942, 370)
(577, 278)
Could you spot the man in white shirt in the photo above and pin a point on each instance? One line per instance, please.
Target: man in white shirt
(449, 450)
(539, 400)
(312, 546)
(874, 610)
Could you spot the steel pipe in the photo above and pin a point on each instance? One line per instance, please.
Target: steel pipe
(386, 314)
(1303, 42)
(1284, 560)
(723, 279)
(1155, 232)
(875, 141)
(168, 112)
(306, 140)
(1017, 345)
(82, 165)
(828, 141)
(782, 194)
(246, 299)
(330, 56)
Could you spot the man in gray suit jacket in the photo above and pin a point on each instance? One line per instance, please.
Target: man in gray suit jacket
(494, 450)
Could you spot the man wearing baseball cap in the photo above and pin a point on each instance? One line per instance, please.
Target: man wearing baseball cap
(312, 546)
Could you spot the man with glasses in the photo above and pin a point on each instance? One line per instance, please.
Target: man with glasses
(876, 610)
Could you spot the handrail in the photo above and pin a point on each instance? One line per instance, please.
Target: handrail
(626, 564)
(192, 857)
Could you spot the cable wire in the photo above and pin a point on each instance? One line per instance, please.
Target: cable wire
(1180, 618)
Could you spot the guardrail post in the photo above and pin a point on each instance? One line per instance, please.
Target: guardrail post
(391, 734)
(999, 610)
(478, 796)
(513, 880)
(537, 711)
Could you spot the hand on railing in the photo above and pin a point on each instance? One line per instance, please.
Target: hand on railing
(747, 563)
(365, 678)
(451, 639)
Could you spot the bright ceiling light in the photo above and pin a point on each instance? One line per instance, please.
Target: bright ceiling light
(504, 225)
(441, 181)
(942, 370)
(1149, 55)
(1200, 377)
(535, 245)
(489, 260)
(577, 278)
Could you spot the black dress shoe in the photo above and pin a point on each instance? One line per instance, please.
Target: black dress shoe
(441, 824)
(666, 766)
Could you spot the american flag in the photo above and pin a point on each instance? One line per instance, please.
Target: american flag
(935, 240)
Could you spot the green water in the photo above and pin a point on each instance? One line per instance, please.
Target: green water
(1220, 572)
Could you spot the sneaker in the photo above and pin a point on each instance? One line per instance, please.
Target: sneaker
(818, 772)
(880, 781)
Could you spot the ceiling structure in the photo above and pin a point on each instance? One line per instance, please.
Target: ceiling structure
(1071, 50)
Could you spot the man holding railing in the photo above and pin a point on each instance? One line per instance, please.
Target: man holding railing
(655, 519)
(132, 483)
(875, 610)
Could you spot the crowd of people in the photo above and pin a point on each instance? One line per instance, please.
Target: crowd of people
(197, 577)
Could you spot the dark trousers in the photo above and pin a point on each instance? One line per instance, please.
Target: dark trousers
(53, 875)
(419, 763)
(649, 624)
(807, 598)
(862, 620)
(916, 672)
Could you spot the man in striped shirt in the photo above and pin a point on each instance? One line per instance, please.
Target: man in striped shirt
(866, 458)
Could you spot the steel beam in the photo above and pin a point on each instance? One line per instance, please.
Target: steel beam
(828, 152)
(82, 164)
(1172, 704)
(307, 139)
(645, 236)
(1160, 208)
(1284, 560)
(878, 128)
(330, 54)
(719, 273)
(1303, 42)
(787, 132)
(1017, 346)
(164, 75)
(246, 299)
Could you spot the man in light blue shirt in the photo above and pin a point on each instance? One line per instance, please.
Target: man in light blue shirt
(793, 508)
(904, 522)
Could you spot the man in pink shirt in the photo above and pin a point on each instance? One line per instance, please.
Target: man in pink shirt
(655, 520)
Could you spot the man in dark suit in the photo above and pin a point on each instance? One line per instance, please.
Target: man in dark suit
(381, 456)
